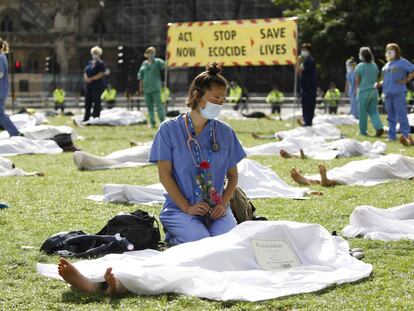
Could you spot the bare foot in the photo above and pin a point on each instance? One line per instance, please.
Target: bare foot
(72, 275)
(302, 154)
(301, 180)
(324, 179)
(114, 286)
(40, 174)
(284, 154)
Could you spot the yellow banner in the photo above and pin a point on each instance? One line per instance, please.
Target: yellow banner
(250, 42)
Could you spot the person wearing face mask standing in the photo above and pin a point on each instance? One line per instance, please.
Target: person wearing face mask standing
(5, 121)
(93, 75)
(149, 76)
(397, 72)
(193, 144)
(367, 96)
(307, 71)
(350, 86)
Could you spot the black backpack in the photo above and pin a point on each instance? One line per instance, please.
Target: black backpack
(125, 232)
(137, 227)
(82, 245)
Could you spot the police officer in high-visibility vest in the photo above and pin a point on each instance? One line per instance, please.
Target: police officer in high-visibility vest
(332, 97)
(235, 94)
(275, 99)
(59, 98)
(109, 96)
(410, 98)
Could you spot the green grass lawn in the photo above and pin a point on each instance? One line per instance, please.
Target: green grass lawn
(41, 207)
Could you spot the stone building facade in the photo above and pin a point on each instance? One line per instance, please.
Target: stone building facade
(65, 30)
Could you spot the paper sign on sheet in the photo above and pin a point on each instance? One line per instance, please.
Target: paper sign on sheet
(253, 42)
(274, 254)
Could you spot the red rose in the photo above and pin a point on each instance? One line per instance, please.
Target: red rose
(204, 165)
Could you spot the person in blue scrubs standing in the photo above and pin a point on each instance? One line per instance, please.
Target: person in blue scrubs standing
(5, 121)
(186, 146)
(93, 75)
(397, 72)
(350, 86)
(307, 71)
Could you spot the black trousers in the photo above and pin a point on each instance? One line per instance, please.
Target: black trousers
(308, 107)
(276, 108)
(92, 98)
(333, 109)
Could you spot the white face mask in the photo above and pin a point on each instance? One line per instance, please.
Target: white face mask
(304, 53)
(349, 69)
(361, 58)
(151, 56)
(211, 110)
(390, 55)
(95, 57)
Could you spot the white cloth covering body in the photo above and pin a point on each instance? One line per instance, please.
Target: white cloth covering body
(389, 224)
(21, 145)
(130, 157)
(114, 117)
(317, 148)
(225, 267)
(256, 180)
(340, 119)
(325, 130)
(7, 169)
(371, 172)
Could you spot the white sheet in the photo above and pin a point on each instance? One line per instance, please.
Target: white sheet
(114, 117)
(230, 114)
(317, 148)
(325, 130)
(131, 157)
(22, 145)
(389, 224)
(339, 119)
(256, 180)
(22, 120)
(225, 268)
(7, 169)
(47, 131)
(371, 172)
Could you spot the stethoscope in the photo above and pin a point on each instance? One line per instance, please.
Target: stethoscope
(190, 139)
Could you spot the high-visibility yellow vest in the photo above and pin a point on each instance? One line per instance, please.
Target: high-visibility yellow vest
(274, 97)
(108, 95)
(59, 96)
(165, 95)
(332, 96)
(235, 93)
(410, 95)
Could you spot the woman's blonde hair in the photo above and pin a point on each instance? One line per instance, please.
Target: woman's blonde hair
(149, 50)
(4, 46)
(96, 50)
(395, 47)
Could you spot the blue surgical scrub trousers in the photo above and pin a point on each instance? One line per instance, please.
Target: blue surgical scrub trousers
(184, 228)
(396, 106)
(5, 121)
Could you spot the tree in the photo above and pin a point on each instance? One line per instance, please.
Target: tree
(338, 28)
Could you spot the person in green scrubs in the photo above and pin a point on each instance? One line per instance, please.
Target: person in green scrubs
(367, 95)
(149, 76)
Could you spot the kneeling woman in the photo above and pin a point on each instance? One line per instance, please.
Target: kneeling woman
(195, 154)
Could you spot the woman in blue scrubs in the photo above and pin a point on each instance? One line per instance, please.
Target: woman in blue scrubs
(186, 146)
(397, 72)
(350, 88)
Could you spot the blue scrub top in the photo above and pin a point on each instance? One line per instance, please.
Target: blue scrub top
(309, 79)
(350, 77)
(4, 82)
(170, 144)
(393, 72)
(92, 69)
